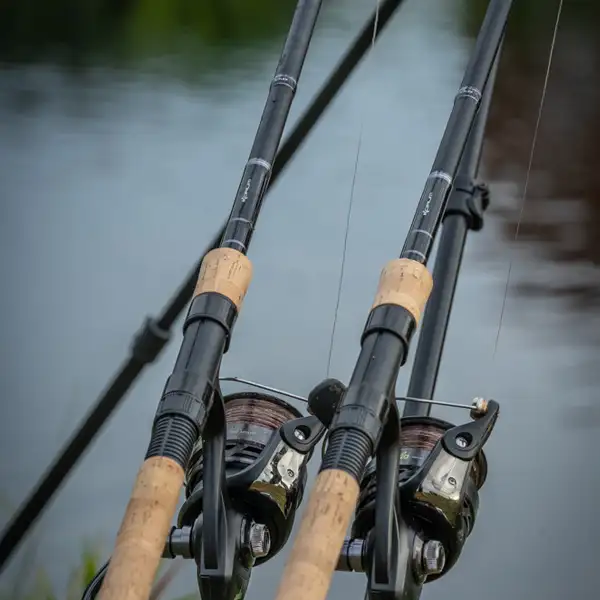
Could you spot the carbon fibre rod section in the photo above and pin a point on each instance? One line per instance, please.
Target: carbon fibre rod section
(159, 328)
(192, 388)
(404, 288)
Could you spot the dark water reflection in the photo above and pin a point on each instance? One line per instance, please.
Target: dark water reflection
(121, 142)
(554, 222)
(561, 215)
(179, 37)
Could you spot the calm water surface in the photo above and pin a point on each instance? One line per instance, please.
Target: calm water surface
(112, 183)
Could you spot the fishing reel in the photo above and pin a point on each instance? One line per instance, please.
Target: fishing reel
(419, 496)
(244, 483)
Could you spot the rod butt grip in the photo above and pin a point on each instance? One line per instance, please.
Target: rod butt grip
(144, 529)
(317, 546)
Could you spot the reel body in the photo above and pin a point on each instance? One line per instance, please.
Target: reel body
(419, 496)
(246, 482)
(439, 491)
(265, 478)
(418, 501)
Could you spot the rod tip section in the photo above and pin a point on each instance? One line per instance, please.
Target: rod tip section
(405, 283)
(144, 529)
(225, 271)
(319, 541)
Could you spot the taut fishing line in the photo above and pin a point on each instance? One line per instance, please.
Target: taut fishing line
(528, 174)
(351, 202)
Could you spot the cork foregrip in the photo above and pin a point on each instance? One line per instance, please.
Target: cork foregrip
(144, 529)
(406, 283)
(225, 271)
(312, 562)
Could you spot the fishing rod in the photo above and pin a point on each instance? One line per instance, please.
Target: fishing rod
(192, 407)
(464, 212)
(154, 334)
(425, 518)
(416, 503)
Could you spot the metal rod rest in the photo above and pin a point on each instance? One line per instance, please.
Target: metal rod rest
(476, 402)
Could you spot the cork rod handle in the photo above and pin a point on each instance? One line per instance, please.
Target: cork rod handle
(314, 557)
(317, 546)
(145, 526)
(144, 529)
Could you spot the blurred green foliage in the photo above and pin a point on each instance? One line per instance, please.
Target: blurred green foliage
(33, 583)
(121, 33)
(533, 17)
(37, 586)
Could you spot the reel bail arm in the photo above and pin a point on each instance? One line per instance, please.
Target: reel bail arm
(244, 483)
(418, 501)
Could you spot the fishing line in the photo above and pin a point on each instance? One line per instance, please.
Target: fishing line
(529, 167)
(350, 204)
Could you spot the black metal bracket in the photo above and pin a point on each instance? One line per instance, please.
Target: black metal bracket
(472, 435)
(218, 551)
(302, 434)
(391, 576)
(324, 399)
(469, 199)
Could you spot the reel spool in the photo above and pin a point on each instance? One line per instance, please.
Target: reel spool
(418, 439)
(265, 478)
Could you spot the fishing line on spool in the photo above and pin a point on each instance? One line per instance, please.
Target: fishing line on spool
(528, 174)
(351, 202)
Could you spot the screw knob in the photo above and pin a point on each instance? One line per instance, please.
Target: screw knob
(260, 540)
(433, 557)
(479, 408)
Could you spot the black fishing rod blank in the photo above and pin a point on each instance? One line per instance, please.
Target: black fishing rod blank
(191, 405)
(441, 519)
(154, 335)
(464, 212)
(366, 423)
(441, 522)
(269, 444)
